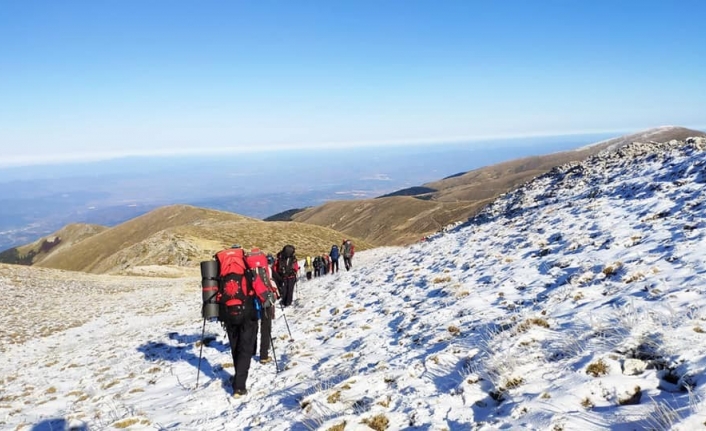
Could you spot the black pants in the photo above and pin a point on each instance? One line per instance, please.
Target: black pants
(308, 275)
(288, 290)
(347, 262)
(265, 333)
(317, 272)
(334, 265)
(241, 338)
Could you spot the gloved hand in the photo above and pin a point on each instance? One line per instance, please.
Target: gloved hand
(269, 299)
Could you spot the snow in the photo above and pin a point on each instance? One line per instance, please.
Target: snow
(522, 318)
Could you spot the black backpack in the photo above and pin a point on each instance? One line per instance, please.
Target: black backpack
(287, 258)
(317, 262)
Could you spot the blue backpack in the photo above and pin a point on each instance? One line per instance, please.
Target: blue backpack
(334, 252)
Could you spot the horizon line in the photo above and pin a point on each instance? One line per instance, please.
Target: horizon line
(61, 159)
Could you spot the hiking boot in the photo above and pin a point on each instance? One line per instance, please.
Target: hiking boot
(237, 393)
(265, 360)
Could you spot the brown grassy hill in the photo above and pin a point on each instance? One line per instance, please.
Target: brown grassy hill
(393, 220)
(50, 245)
(490, 181)
(172, 240)
(399, 220)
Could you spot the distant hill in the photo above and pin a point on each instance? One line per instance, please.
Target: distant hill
(285, 215)
(399, 218)
(181, 236)
(50, 245)
(410, 191)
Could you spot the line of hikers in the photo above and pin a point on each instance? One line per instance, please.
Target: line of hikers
(240, 288)
(328, 263)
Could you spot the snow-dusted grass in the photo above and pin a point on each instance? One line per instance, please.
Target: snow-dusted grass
(574, 303)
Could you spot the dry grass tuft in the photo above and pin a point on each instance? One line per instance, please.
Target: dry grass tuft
(535, 321)
(454, 330)
(635, 276)
(334, 397)
(513, 382)
(598, 368)
(587, 403)
(378, 423)
(612, 269)
(444, 279)
(338, 427)
(111, 384)
(385, 402)
(125, 423)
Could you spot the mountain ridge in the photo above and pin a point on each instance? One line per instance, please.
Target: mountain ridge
(456, 197)
(173, 240)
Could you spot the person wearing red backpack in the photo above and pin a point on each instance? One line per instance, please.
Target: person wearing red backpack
(260, 273)
(237, 310)
(286, 267)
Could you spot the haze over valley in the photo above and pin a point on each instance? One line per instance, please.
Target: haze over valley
(37, 200)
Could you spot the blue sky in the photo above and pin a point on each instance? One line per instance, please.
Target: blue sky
(152, 76)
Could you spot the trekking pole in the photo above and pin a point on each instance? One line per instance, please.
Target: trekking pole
(274, 355)
(203, 331)
(286, 323)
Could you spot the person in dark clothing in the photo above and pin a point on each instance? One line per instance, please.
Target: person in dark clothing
(267, 313)
(317, 266)
(287, 267)
(334, 255)
(324, 265)
(241, 338)
(237, 298)
(348, 252)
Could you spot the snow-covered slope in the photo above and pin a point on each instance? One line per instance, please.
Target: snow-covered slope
(576, 302)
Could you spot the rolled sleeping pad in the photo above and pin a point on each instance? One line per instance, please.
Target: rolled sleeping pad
(209, 269)
(209, 289)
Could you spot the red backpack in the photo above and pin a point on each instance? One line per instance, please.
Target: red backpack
(234, 292)
(258, 272)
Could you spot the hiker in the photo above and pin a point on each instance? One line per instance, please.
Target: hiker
(256, 259)
(334, 255)
(287, 268)
(348, 252)
(236, 296)
(327, 261)
(317, 266)
(308, 267)
(324, 265)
